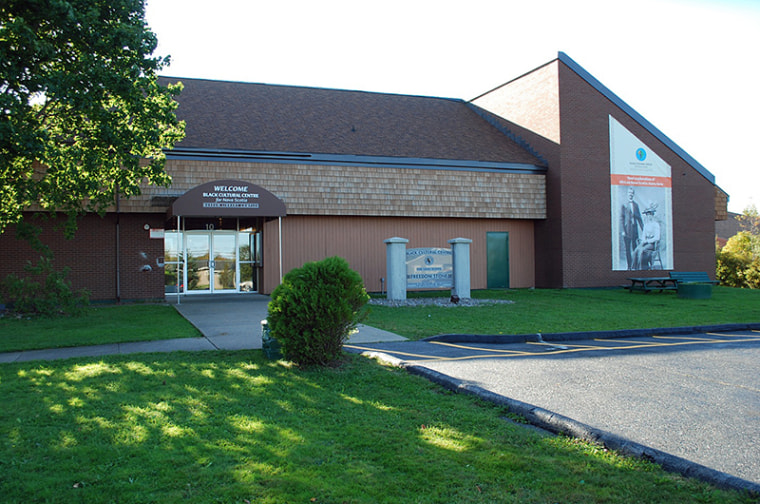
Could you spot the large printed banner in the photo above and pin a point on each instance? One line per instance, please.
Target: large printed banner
(641, 195)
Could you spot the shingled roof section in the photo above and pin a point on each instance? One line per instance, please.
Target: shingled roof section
(237, 116)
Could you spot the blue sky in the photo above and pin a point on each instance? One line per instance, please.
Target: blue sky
(688, 66)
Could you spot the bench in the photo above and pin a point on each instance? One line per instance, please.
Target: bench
(691, 277)
(648, 284)
(687, 283)
(693, 284)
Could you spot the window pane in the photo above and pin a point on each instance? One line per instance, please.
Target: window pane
(244, 245)
(248, 278)
(171, 246)
(170, 278)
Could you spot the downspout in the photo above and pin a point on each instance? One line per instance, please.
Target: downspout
(280, 245)
(180, 255)
(118, 248)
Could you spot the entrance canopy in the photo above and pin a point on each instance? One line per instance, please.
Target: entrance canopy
(228, 198)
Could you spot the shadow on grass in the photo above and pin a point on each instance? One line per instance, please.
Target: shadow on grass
(233, 427)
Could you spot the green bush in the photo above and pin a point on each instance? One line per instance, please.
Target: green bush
(314, 309)
(737, 264)
(53, 295)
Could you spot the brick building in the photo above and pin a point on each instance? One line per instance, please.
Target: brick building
(536, 172)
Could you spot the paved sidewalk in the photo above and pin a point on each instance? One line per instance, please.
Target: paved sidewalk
(227, 322)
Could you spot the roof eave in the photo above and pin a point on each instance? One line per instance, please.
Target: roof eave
(351, 160)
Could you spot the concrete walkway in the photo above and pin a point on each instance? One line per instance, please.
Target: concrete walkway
(227, 322)
(233, 322)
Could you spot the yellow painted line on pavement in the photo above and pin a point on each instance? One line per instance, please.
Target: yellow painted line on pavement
(491, 354)
(734, 335)
(695, 340)
(393, 352)
(480, 349)
(556, 344)
(686, 338)
(688, 341)
(576, 349)
(627, 344)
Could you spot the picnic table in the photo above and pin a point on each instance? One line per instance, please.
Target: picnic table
(648, 284)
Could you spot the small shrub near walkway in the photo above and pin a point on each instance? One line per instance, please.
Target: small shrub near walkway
(313, 310)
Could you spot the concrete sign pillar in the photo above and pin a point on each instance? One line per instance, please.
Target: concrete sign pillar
(395, 266)
(460, 258)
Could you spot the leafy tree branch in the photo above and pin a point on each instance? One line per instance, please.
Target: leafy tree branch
(82, 116)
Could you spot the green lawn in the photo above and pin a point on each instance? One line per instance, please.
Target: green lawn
(233, 427)
(99, 325)
(567, 310)
(539, 310)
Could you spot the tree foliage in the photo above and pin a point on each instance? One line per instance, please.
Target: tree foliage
(82, 116)
(738, 262)
(749, 220)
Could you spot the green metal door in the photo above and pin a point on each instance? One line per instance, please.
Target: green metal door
(497, 250)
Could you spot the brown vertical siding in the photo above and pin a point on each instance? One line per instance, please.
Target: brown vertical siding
(360, 241)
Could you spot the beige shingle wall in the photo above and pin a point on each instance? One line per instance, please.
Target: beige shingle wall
(362, 190)
(721, 204)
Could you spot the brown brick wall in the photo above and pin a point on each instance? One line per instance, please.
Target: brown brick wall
(573, 244)
(585, 191)
(530, 104)
(91, 255)
(531, 101)
(370, 191)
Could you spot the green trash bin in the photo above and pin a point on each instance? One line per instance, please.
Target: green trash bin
(271, 346)
(694, 290)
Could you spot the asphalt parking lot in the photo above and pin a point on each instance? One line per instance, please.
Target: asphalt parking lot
(695, 396)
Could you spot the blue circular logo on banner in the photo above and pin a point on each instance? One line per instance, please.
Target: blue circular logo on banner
(641, 154)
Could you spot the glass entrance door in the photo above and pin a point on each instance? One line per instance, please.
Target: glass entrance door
(224, 264)
(198, 254)
(204, 259)
(211, 259)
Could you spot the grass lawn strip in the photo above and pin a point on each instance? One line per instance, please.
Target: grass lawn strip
(98, 326)
(532, 311)
(568, 310)
(233, 427)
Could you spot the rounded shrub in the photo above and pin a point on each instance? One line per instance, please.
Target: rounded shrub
(314, 309)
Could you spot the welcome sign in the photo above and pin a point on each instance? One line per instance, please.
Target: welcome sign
(429, 268)
(228, 198)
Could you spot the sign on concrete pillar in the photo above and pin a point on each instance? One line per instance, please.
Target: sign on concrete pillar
(395, 265)
(460, 258)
